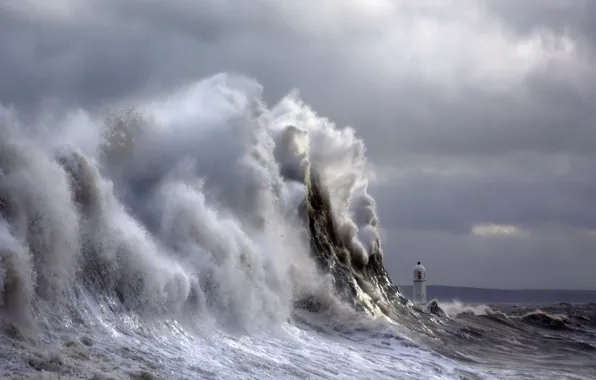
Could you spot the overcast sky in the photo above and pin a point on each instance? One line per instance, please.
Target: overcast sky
(479, 116)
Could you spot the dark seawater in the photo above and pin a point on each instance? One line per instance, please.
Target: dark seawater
(533, 340)
(498, 296)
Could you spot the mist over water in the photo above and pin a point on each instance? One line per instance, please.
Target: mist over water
(201, 234)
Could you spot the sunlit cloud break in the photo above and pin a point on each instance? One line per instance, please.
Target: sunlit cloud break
(495, 230)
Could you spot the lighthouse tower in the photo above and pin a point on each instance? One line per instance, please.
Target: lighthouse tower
(419, 285)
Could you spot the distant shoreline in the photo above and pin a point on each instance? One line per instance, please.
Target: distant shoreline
(446, 293)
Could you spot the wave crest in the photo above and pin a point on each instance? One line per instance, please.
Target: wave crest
(206, 202)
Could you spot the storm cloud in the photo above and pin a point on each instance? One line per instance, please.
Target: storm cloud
(478, 116)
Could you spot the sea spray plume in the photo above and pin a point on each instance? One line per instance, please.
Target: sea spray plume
(120, 258)
(213, 248)
(231, 153)
(237, 254)
(339, 158)
(340, 215)
(236, 278)
(121, 131)
(208, 187)
(16, 273)
(194, 203)
(40, 221)
(367, 288)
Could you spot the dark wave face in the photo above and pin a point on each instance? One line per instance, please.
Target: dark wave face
(558, 339)
(205, 235)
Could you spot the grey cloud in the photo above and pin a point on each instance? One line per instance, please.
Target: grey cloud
(75, 64)
(120, 48)
(542, 260)
(429, 202)
(560, 16)
(467, 86)
(431, 215)
(484, 124)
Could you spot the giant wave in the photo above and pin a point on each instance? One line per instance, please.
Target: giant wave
(206, 201)
(201, 234)
(203, 207)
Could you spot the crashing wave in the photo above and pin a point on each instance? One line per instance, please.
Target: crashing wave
(203, 204)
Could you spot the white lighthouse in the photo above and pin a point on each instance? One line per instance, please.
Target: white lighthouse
(419, 285)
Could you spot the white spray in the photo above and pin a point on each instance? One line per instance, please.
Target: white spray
(187, 201)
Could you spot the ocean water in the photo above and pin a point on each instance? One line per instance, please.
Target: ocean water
(206, 235)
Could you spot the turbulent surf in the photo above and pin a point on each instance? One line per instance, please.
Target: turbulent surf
(205, 234)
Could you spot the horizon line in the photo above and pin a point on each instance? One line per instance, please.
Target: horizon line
(509, 289)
